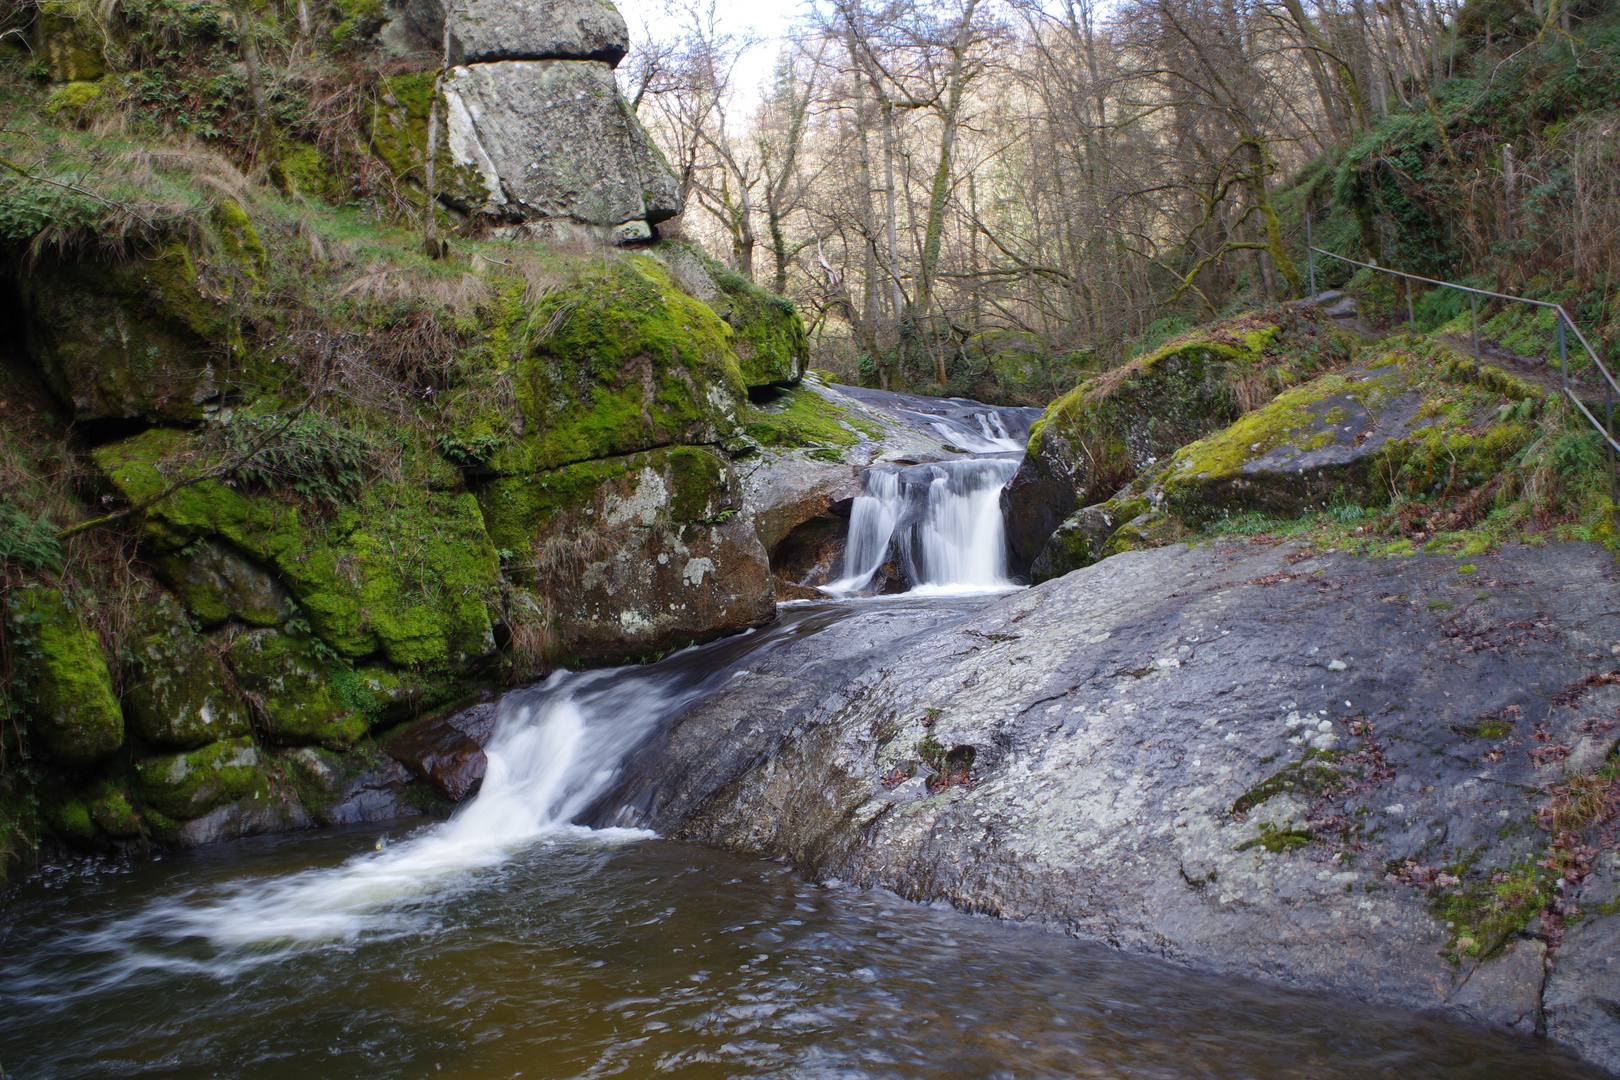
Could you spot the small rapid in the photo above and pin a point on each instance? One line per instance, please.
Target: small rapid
(556, 748)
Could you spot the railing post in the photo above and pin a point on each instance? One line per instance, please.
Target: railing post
(1310, 253)
(1473, 320)
(1411, 319)
(1563, 352)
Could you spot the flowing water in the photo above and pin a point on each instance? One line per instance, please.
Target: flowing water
(508, 941)
(942, 521)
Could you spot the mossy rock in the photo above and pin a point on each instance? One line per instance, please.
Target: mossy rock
(110, 808)
(69, 40)
(62, 677)
(217, 582)
(803, 418)
(770, 342)
(633, 555)
(1098, 436)
(188, 785)
(401, 570)
(125, 339)
(294, 689)
(1417, 419)
(630, 363)
(398, 128)
(181, 694)
(71, 821)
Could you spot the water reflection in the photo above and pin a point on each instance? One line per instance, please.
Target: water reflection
(578, 959)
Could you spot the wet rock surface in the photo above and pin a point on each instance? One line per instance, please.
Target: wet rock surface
(1255, 759)
(447, 752)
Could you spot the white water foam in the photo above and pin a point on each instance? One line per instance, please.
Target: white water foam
(943, 521)
(556, 748)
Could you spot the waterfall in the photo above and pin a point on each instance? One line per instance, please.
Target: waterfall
(942, 521)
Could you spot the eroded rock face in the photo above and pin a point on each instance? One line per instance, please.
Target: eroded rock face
(1256, 765)
(118, 340)
(555, 139)
(636, 554)
(180, 696)
(448, 751)
(490, 30)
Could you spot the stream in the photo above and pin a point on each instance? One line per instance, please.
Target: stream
(509, 941)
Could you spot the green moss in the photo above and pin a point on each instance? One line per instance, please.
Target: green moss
(73, 99)
(1485, 913)
(68, 38)
(397, 126)
(804, 418)
(402, 570)
(62, 678)
(1277, 840)
(294, 684)
(188, 785)
(237, 231)
(769, 336)
(696, 487)
(623, 361)
(71, 821)
(110, 809)
(179, 694)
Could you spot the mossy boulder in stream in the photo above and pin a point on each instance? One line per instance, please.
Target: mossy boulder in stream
(190, 784)
(1098, 436)
(125, 339)
(634, 554)
(625, 361)
(401, 570)
(62, 677)
(180, 695)
(1418, 420)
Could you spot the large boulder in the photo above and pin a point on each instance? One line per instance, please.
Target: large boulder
(1095, 438)
(634, 554)
(1418, 420)
(124, 339)
(491, 30)
(630, 363)
(62, 677)
(555, 139)
(180, 695)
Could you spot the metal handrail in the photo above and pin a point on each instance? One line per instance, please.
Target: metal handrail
(1610, 387)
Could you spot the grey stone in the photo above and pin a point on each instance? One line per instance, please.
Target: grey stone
(556, 139)
(1146, 730)
(490, 30)
(247, 816)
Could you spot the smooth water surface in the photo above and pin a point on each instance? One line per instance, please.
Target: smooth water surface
(594, 956)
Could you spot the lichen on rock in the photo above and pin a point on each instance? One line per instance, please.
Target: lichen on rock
(1100, 435)
(180, 694)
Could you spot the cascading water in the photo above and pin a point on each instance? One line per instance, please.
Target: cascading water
(557, 747)
(942, 521)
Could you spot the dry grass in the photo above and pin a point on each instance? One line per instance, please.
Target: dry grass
(533, 647)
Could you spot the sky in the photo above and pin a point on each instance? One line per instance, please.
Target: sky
(767, 20)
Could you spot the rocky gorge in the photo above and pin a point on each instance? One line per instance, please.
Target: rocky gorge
(1281, 652)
